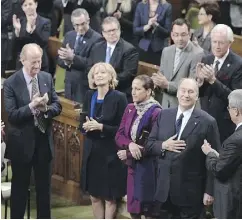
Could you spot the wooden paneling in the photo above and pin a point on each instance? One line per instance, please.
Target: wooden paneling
(237, 45)
(68, 147)
(176, 8)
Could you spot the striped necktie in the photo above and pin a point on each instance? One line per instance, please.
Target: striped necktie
(216, 67)
(77, 46)
(177, 59)
(108, 54)
(179, 124)
(39, 119)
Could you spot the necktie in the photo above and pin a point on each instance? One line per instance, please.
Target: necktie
(178, 124)
(108, 54)
(77, 46)
(38, 119)
(177, 59)
(216, 67)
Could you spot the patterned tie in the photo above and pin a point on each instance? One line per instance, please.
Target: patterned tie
(77, 46)
(216, 67)
(108, 54)
(39, 119)
(178, 124)
(177, 59)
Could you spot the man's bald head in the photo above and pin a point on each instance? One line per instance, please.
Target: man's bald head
(31, 58)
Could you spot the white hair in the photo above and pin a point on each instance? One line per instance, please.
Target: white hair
(224, 28)
(235, 99)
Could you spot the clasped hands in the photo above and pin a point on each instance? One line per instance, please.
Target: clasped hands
(160, 80)
(66, 54)
(151, 23)
(205, 72)
(91, 125)
(134, 149)
(39, 102)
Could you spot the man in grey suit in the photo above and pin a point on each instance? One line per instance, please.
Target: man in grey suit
(177, 61)
(227, 165)
(183, 183)
(74, 53)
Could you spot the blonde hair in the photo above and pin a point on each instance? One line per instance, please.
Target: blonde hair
(161, 1)
(28, 48)
(126, 6)
(109, 69)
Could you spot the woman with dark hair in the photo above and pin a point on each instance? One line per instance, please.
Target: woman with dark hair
(207, 17)
(32, 28)
(134, 129)
(123, 10)
(152, 25)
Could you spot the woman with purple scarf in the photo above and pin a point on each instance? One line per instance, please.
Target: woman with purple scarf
(134, 129)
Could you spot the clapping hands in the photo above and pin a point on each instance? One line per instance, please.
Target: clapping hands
(66, 54)
(92, 125)
(39, 102)
(16, 25)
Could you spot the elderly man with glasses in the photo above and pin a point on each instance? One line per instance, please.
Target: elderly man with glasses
(226, 165)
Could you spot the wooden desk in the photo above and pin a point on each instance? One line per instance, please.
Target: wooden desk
(237, 45)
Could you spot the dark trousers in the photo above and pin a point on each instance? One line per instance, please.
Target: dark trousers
(21, 172)
(170, 211)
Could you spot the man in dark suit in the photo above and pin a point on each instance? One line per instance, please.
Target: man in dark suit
(119, 53)
(227, 165)
(183, 183)
(218, 75)
(31, 103)
(74, 54)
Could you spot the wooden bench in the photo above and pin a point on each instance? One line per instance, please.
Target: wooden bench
(237, 45)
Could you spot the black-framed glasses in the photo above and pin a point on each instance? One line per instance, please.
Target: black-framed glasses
(229, 107)
(111, 31)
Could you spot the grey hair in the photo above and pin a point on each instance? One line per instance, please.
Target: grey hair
(79, 12)
(109, 20)
(191, 79)
(30, 48)
(222, 28)
(235, 99)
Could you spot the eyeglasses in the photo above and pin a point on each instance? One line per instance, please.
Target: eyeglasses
(110, 31)
(229, 107)
(181, 35)
(79, 25)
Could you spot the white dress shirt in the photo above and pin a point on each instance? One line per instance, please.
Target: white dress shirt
(187, 114)
(112, 47)
(221, 60)
(28, 80)
(240, 124)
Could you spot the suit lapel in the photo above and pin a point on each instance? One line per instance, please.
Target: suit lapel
(171, 63)
(191, 124)
(116, 54)
(25, 92)
(42, 85)
(103, 52)
(146, 12)
(130, 116)
(225, 68)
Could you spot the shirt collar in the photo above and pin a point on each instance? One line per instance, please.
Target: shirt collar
(183, 49)
(222, 59)
(238, 125)
(112, 45)
(27, 77)
(186, 113)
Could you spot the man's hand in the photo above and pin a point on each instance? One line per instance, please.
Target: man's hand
(117, 15)
(135, 150)
(66, 54)
(37, 101)
(207, 199)
(208, 74)
(160, 80)
(206, 147)
(2, 128)
(174, 145)
(122, 155)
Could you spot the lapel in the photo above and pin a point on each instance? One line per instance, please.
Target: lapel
(161, 11)
(225, 68)
(184, 56)
(23, 87)
(191, 124)
(72, 40)
(102, 52)
(170, 64)
(42, 84)
(146, 10)
(116, 54)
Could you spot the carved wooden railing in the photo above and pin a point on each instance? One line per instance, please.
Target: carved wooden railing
(68, 147)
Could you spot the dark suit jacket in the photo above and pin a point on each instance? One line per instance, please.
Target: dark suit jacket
(183, 175)
(39, 36)
(158, 37)
(21, 136)
(215, 97)
(124, 60)
(116, 101)
(227, 168)
(76, 73)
